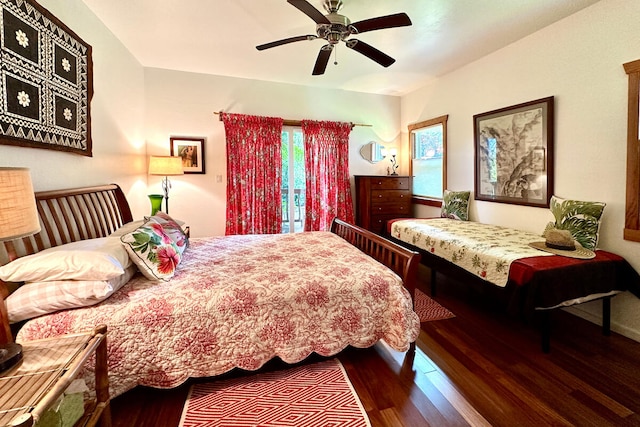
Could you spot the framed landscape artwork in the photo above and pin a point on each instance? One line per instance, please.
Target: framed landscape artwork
(192, 152)
(514, 154)
(45, 81)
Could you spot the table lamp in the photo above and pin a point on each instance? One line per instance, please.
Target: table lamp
(18, 218)
(166, 166)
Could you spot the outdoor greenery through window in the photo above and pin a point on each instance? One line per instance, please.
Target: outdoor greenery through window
(293, 177)
(428, 157)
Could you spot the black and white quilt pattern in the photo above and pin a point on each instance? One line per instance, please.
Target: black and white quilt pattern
(45, 81)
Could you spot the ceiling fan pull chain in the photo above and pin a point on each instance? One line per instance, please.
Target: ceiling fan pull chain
(335, 55)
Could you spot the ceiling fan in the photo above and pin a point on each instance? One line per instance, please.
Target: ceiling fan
(335, 28)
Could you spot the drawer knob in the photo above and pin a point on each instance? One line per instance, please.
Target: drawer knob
(379, 196)
(379, 182)
(401, 196)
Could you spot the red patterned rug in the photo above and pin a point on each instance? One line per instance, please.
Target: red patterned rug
(427, 309)
(318, 394)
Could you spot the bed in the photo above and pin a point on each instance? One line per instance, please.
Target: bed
(532, 282)
(233, 302)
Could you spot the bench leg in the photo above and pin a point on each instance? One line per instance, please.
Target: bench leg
(606, 316)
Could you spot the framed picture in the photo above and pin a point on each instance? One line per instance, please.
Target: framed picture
(192, 152)
(514, 154)
(45, 81)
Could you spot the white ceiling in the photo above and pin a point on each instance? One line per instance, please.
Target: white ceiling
(219, 37)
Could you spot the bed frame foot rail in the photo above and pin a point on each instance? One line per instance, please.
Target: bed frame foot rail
(402, 261)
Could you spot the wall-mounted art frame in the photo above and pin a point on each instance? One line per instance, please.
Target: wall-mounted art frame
(514, 154)
(46, 81)
(192, 152)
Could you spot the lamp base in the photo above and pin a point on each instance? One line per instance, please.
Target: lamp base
(10, 354)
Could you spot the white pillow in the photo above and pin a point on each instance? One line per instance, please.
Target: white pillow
(127, 228)
(38, 298)
(93, 259)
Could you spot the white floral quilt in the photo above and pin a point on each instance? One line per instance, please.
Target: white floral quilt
(239, 301)
(483, 249)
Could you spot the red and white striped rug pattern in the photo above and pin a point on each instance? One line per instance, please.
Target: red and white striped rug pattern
(314, 395)
(428, 309)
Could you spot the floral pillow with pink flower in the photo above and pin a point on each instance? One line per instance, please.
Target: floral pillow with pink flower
(156, 248)
(171, 225)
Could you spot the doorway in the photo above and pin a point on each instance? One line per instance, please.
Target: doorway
(293, 180)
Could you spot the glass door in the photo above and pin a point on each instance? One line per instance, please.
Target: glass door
(293, 180)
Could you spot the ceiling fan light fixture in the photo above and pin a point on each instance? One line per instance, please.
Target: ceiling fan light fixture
(334, 38)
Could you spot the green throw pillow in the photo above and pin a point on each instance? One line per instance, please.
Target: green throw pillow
(582, 219)
(455, 205)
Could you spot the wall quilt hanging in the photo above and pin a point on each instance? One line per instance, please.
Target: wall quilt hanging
(45, 81)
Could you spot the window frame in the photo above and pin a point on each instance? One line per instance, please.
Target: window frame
(442, 120)
(632, 203)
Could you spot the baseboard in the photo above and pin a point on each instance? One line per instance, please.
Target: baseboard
(597, 319)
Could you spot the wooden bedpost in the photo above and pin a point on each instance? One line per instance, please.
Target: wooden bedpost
(5, 329)
(103, 407)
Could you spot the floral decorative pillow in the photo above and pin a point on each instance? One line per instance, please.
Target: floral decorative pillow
(582, 219)
(455, 205)
(171, 224)
(156, 248)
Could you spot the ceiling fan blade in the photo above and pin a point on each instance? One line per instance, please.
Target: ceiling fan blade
(313, 13)
(382, 22)
(322, 60)
(285, 41)
(370, 52)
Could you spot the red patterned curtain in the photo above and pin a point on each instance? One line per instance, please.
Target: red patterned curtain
(328, 192)
(254, 169)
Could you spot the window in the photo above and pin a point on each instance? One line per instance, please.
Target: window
(293, 176)
(632, 213)
(428, 141)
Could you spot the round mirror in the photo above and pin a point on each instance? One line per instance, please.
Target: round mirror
(372, 152)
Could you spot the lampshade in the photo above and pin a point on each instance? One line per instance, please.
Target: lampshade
(165, 165)
(18, 212)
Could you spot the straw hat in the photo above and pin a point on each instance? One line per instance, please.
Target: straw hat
(560, 242)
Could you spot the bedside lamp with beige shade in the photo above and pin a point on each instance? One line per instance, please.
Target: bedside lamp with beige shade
(18, 219)
(165, 166)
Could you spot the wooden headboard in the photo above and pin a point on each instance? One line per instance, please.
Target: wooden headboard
(71, 215)
(66, 216)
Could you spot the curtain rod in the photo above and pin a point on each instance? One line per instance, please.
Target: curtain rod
(288, 122)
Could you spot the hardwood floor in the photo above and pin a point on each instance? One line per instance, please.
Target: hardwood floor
(480, 368)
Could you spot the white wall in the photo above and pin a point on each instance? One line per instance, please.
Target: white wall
(183, 104)
(578, 61)
(116, 117)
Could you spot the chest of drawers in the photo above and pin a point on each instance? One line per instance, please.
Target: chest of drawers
(381, 198)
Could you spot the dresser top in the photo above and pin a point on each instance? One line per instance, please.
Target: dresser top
(382, 176)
